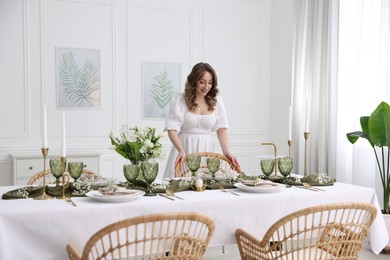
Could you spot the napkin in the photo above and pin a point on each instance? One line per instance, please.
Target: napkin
(115, 190)
(23, 193)
(259, 182)
(315, 179)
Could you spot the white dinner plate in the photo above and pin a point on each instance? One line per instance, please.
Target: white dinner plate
(258, 189)
(114, 198)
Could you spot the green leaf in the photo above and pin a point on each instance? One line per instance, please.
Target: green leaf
(379, 125)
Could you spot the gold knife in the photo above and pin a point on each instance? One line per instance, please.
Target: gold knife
(165, 196)
(302, 187)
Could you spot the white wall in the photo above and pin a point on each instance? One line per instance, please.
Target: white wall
(237, 37)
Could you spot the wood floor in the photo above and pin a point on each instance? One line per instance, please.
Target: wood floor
(231, 253)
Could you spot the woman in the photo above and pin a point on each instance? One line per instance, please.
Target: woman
(193, 115)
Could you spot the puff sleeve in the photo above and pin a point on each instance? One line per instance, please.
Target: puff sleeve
(174, 120)
(221, 117)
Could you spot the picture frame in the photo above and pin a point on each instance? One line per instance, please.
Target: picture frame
(78, 78)
(160, 80)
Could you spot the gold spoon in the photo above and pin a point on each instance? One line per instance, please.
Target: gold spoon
(172, 194)
(307, 185)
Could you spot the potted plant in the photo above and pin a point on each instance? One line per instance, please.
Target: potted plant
(376, 129)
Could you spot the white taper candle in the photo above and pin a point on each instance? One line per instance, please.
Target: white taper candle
(290, 123)
(44, 137)
(63, 150)
(307, 117)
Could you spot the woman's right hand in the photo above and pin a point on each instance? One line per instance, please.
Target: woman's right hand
(180, 158)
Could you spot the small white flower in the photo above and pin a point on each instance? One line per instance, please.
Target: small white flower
(148, 144)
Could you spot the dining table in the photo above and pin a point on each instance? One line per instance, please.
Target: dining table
(41, 229)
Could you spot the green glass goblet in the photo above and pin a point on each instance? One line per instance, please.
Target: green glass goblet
(131, 173)
(193, 163)
(149, 171)
(285, 165)
(75, 169)
(213, 166)
(267, 167)
(57, 169)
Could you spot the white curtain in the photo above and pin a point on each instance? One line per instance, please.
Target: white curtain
(313, 72)
(363, 82)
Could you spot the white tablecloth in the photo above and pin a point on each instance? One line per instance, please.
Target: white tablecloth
(36, 229)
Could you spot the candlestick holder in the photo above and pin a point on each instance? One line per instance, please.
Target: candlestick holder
(44, 196)
(289, 142)
(63, 168)
(306, 136)
(275, 156)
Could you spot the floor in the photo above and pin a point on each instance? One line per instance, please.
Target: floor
(231, 253)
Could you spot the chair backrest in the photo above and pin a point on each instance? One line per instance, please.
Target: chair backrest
(332, 231)
(226, 164)
(179, 235)
(37, 179)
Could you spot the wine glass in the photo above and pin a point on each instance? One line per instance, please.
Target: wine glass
(149, 171)
(213, 166)
(267, 167)
(131, 172)
(57, 169)
(193, 163)
(75, 169)
(285, 165)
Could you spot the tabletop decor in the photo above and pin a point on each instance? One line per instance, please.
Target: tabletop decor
(375, 129)
(138, 144)
(45, 152)
(285, 165)
(314, 179)
(56, 169)
(149, 171)
(75, 169)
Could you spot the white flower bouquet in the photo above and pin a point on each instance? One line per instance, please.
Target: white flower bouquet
(138, 144)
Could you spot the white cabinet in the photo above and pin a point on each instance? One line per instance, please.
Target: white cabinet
(25, 166)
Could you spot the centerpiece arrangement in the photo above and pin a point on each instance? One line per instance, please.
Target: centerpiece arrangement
(142, 147)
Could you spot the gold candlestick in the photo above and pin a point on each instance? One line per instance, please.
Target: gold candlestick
(44, 196)
(63, 168)
(289, 142)
(306, 136)
(275, 156)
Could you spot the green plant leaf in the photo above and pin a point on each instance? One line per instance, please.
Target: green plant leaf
(379, 125)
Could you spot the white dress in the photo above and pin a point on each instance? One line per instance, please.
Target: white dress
(193, 130)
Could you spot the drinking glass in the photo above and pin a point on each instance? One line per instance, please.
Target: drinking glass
(213, 166)
(75, 169)
(285, 165)
(131, 172)
(57, 169)
(149, 171)
(267, 167)
(193, 163)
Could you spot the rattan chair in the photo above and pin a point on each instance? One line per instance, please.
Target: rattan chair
(226, 164)
(179, 235)
(37, 179)
(333, 231)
